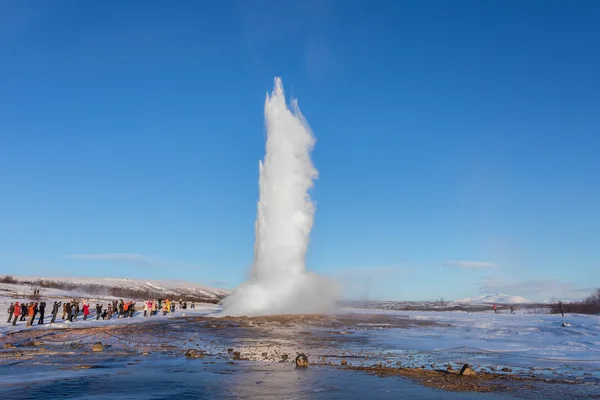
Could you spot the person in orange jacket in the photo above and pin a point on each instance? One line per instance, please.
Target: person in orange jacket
(31, 313)
(17, 312)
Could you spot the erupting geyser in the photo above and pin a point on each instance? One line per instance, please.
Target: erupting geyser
(279, 282)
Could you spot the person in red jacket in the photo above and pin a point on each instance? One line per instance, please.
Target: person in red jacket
(86, 311)
(17, 312)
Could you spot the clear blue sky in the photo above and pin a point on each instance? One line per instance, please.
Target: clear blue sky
(457, 142)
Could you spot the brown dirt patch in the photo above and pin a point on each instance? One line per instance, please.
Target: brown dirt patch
(452, 381)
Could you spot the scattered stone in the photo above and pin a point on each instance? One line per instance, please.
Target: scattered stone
(284, 357)
(191, 353)
(98, 347)
(506, 369)
(265, 355)
(344, 363)
(230, 351)
(145, 354)
(237, 355)
(466, 370)
(9, 346)
(302, 361)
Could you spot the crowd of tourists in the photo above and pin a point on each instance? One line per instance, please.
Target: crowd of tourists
(69, 311)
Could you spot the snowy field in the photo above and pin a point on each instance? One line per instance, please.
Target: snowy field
(522, 340)
(524, 344)
(525, 338)
(532, 340)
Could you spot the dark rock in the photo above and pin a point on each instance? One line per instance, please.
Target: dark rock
(237, 355)
(344, 362)
(230, 351)
(466, 370)
(9, 346)
(98, 347)
(302, 361)
(506, 369)
(193, 353)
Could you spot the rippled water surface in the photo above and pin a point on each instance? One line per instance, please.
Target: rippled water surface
(180, 378)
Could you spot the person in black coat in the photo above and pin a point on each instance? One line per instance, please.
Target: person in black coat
(98, 311)
(68, 307)
(24, 314)
(42, 310)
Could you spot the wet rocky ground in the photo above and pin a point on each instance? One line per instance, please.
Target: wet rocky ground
(346, 358)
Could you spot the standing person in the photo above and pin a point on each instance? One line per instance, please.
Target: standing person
(31, 313)
(560, 307)
(42, 312)
(86, 311)
(495, 310)
(55, 308)
(67, 311)
(17, 312)
(512, 310)
(24, 308)
(35, 312)
(121, 308)
(145, 309)
(98, 311)
(109, 311)
(159, 303)
(11, 311)
(64, 308)
(72, 312)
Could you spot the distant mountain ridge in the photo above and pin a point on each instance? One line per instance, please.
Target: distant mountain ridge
(497, 298)
(130, 288)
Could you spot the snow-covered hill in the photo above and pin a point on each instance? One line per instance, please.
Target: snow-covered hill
(111, 287)
(497, 298)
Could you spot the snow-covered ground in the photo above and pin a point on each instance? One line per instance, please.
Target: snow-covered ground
(170, 289)
(524, 338)
(516, 339)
